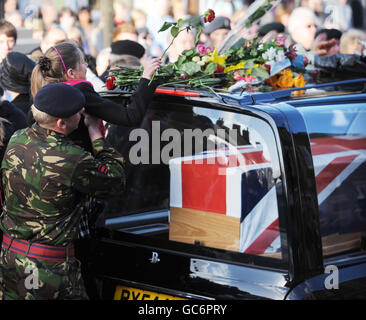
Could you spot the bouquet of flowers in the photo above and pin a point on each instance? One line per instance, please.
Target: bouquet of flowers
(248, 65)
(184, 71)
(268, 66)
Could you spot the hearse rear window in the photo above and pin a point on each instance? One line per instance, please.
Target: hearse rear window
(202, 177)
(338, 141)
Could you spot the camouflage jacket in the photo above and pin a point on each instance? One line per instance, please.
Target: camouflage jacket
(45, 177)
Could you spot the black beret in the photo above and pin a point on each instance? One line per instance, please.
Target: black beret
(330, 33)
(15, 72)
(129, 47)
(59, 100)
(272, 26)
(218, 23)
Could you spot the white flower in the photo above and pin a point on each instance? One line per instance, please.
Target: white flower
(201, 63)
(280, 56)
(196, 59)
(206, 59)
(270, 54)
(260, 46)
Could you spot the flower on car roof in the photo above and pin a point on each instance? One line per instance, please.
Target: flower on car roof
(219, 59)
(259, 65)
(202, 49)
(270, 54)
(240, 65)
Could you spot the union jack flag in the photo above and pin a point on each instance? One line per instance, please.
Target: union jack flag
(246, 188)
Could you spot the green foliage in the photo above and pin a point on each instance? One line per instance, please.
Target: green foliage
(211, 68)
(190, 68)
(166, 26)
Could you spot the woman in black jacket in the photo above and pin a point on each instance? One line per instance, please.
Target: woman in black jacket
(65, 63)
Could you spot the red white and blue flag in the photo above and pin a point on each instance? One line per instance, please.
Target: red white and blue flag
(243, 187)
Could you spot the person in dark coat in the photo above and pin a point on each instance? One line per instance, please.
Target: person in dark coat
(12, 119)
(15, 73)
(65, 63)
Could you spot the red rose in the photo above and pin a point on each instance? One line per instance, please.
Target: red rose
(292, 55)
(110, 83)
(209, 15)
(219, 72)
(219, 69)
(306, 61)
(268, 67)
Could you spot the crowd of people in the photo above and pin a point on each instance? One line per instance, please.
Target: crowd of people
(308, 22)
(51, 109)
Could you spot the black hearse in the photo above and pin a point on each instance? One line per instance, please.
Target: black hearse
(268, 203)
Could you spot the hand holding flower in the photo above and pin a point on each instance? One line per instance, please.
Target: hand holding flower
(150, 66)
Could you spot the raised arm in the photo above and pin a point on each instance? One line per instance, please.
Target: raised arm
(121, 114)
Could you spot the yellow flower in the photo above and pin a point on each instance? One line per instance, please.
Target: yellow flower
(219, 59)
(299, 81)
(285, 81)
(287, 73)
(240, 65)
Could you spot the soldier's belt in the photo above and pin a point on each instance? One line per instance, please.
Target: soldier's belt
(38, 251)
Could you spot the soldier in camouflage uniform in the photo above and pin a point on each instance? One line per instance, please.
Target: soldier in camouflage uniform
(45, 179)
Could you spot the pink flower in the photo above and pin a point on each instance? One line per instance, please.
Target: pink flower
(238, 76)
(202, 49)
(249, 79)
(280, 41)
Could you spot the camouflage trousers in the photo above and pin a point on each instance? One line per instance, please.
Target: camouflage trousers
(25, 278)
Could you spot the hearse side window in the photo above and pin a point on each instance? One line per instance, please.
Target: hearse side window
(338, 141)
(200, 176)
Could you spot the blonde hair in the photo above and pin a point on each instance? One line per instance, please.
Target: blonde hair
(351, 38)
